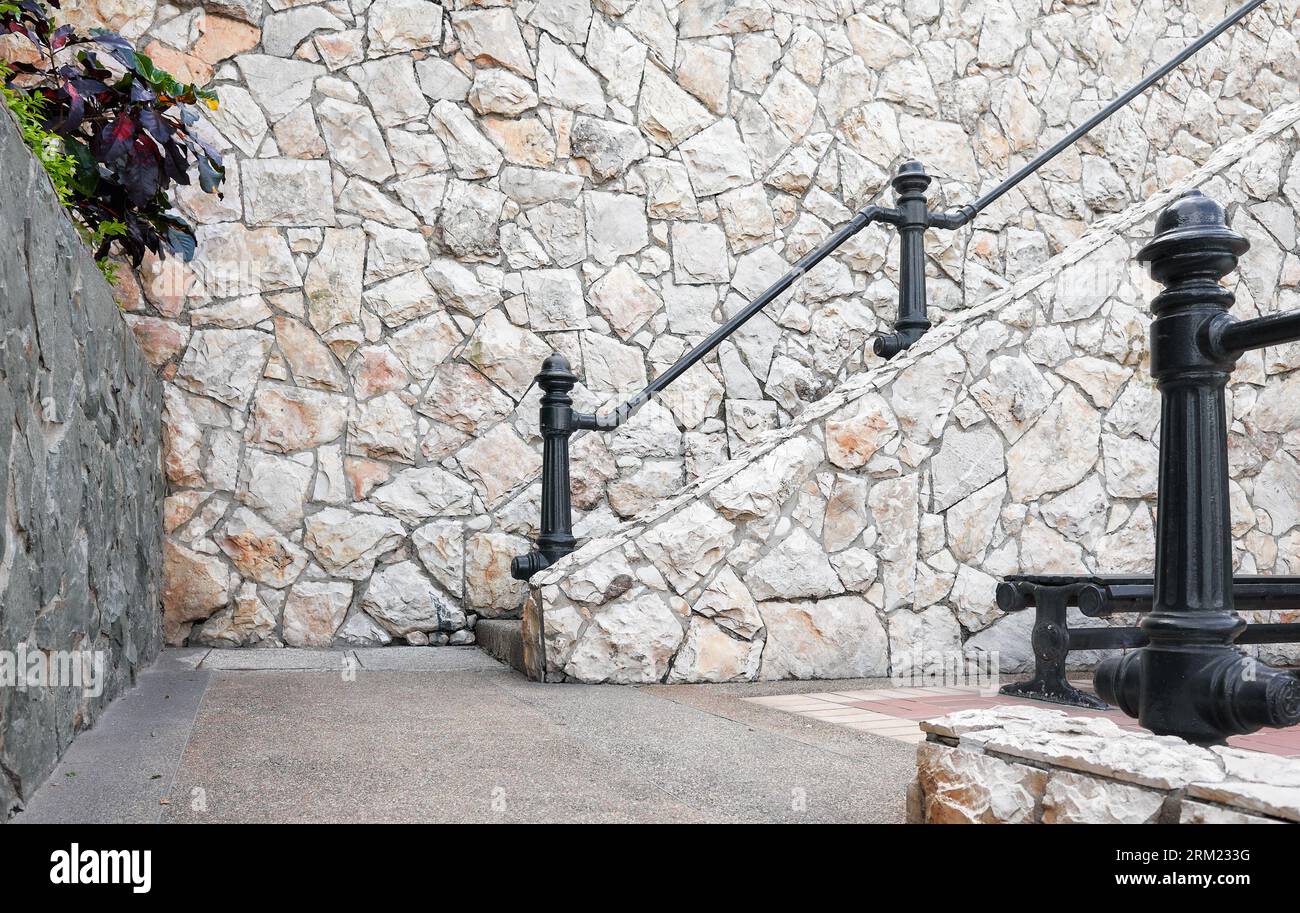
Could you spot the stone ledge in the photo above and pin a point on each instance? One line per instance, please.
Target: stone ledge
(1026, 765)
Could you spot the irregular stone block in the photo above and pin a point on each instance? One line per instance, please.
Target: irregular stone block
(1076, 799)
(965, 787)
(839, 637)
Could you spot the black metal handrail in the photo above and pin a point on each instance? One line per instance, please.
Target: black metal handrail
(964, 214)
(911, 216)
(1105, 596)
(1189, 679)
(611, 420)
(911, 213)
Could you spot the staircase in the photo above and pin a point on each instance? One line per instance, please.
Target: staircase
(502, 638)
(865, 538)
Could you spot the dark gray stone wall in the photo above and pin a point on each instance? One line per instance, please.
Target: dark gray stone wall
(81, 486)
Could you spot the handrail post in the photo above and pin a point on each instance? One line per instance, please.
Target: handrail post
(1190, 681)
(555, 539)
(914, 218)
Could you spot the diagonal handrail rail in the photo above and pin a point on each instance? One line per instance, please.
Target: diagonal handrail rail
(611, 420)
(1101, 232)
(912, 216)
(912, 322)
(962, 215)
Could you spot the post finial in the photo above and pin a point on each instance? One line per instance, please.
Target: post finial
(556, 374)
(1192, 239)
(911, 178)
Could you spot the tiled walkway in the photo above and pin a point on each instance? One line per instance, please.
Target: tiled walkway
(896, 713)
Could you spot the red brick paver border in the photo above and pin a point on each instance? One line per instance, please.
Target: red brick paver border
(896, 713)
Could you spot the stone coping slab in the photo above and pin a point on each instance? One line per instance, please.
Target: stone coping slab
(277, 660)
(427, 659)
(1030, 764)
(375, 659)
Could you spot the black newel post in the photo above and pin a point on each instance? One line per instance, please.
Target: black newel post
(913, 218)
(1190, 681)
(555, 540)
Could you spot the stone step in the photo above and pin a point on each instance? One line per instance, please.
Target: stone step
(503, 639)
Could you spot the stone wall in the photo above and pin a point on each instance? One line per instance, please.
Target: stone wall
(1025, 765)
(426, 199)
(867, 536)
(80, 480)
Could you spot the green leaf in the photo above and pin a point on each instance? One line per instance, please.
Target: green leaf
(86, 179)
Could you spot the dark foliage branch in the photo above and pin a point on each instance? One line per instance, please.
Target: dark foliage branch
(124, 124)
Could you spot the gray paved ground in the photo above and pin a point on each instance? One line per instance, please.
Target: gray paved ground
(447, 734)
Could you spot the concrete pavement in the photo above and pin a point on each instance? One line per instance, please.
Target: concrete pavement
(449, 734)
